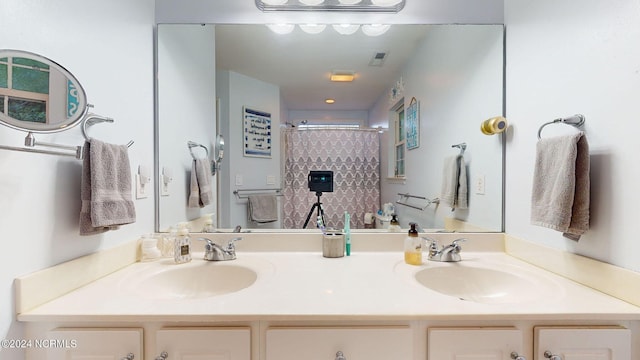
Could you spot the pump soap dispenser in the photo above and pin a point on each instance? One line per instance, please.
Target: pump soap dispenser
(413, 247)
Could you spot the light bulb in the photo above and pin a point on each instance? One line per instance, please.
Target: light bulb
(349, 2)
(313, 28)
(346, 29)
(275, 2)
(281, 28)
(312, 2)
(386, 2)
(375, 29)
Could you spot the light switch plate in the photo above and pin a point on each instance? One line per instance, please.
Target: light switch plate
(239, 180)
(479, 185)
(142, 192)
(271, 179)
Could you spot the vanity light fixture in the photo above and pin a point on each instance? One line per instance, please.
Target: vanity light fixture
(375, 6)
(312, 28)
(345, 29)
(281, 29)
(375, 29)
(342, 76)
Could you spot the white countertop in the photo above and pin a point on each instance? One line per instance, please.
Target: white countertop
(307, 286)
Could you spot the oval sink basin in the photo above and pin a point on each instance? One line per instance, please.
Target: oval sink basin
(485, 285)
(192, 281)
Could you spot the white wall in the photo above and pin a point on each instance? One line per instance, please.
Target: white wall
(236, 91)
(187, 94)
(456, 75)
(108, 46)
(577, 56)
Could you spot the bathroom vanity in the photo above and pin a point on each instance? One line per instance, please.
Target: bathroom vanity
(293, 303)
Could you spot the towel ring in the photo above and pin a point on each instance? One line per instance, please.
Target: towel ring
(576, 121)
(93, 119)
(192, 144)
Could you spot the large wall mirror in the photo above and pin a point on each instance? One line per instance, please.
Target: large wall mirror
(211, 78)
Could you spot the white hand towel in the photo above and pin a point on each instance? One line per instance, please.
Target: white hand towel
(561, 185)
(105, 188)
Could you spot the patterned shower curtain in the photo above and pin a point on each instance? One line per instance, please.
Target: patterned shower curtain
(352, 155)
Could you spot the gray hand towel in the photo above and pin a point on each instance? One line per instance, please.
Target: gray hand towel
(105, 188)
(454, 183)
(561, 185)
(201, 193)
(263, 208)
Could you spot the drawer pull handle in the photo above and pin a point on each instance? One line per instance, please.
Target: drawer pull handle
(340, 356)
(551, 356)
(515, 356)
(129, 356)
(163, 356)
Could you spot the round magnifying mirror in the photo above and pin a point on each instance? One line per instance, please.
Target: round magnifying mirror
(37, 94)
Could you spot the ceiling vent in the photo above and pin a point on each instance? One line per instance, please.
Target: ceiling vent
(378, 58)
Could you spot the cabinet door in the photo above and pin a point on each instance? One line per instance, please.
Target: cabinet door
(370, 343)
(573, 343)
(204, 343)
(474, 343)
(94, 344)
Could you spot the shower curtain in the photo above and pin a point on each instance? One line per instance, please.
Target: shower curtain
(352, 155)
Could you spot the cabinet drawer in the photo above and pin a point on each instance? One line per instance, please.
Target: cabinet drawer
(355, 343)
(94, 343)
(577, 343)
(474, 343)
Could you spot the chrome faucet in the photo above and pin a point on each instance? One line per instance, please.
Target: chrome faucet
(449, 253)
(215, 252)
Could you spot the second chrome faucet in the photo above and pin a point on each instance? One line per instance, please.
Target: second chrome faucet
(215, 252)
(448, 253)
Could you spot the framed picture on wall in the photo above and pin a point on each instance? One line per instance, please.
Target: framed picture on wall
(257, 133)
(412, 125)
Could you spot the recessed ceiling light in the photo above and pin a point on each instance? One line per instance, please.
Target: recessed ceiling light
(343, 76)
(329, 101)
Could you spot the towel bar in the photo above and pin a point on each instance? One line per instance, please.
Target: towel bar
(238, 194)
(576, 121)
(405, 197)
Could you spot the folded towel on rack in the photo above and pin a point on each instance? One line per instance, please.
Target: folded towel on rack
(201, 193)
(105, 188)
(262, 208)
(454, 183)
(561, 185)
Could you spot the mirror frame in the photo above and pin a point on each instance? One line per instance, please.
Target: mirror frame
(47, 128)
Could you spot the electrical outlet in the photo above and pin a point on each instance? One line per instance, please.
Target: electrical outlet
(271, 180)
(479, 184)
(142, 190)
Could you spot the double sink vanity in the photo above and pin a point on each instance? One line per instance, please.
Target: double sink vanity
(281, 299)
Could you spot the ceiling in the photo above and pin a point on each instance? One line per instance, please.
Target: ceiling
(300, 63)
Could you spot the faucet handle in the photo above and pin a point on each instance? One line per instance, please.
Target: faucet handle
(231, 244)
(432, 243)
(456, 241)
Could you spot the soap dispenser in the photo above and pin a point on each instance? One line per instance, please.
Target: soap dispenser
(394, 224)
(182, 247)
(413, 247)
